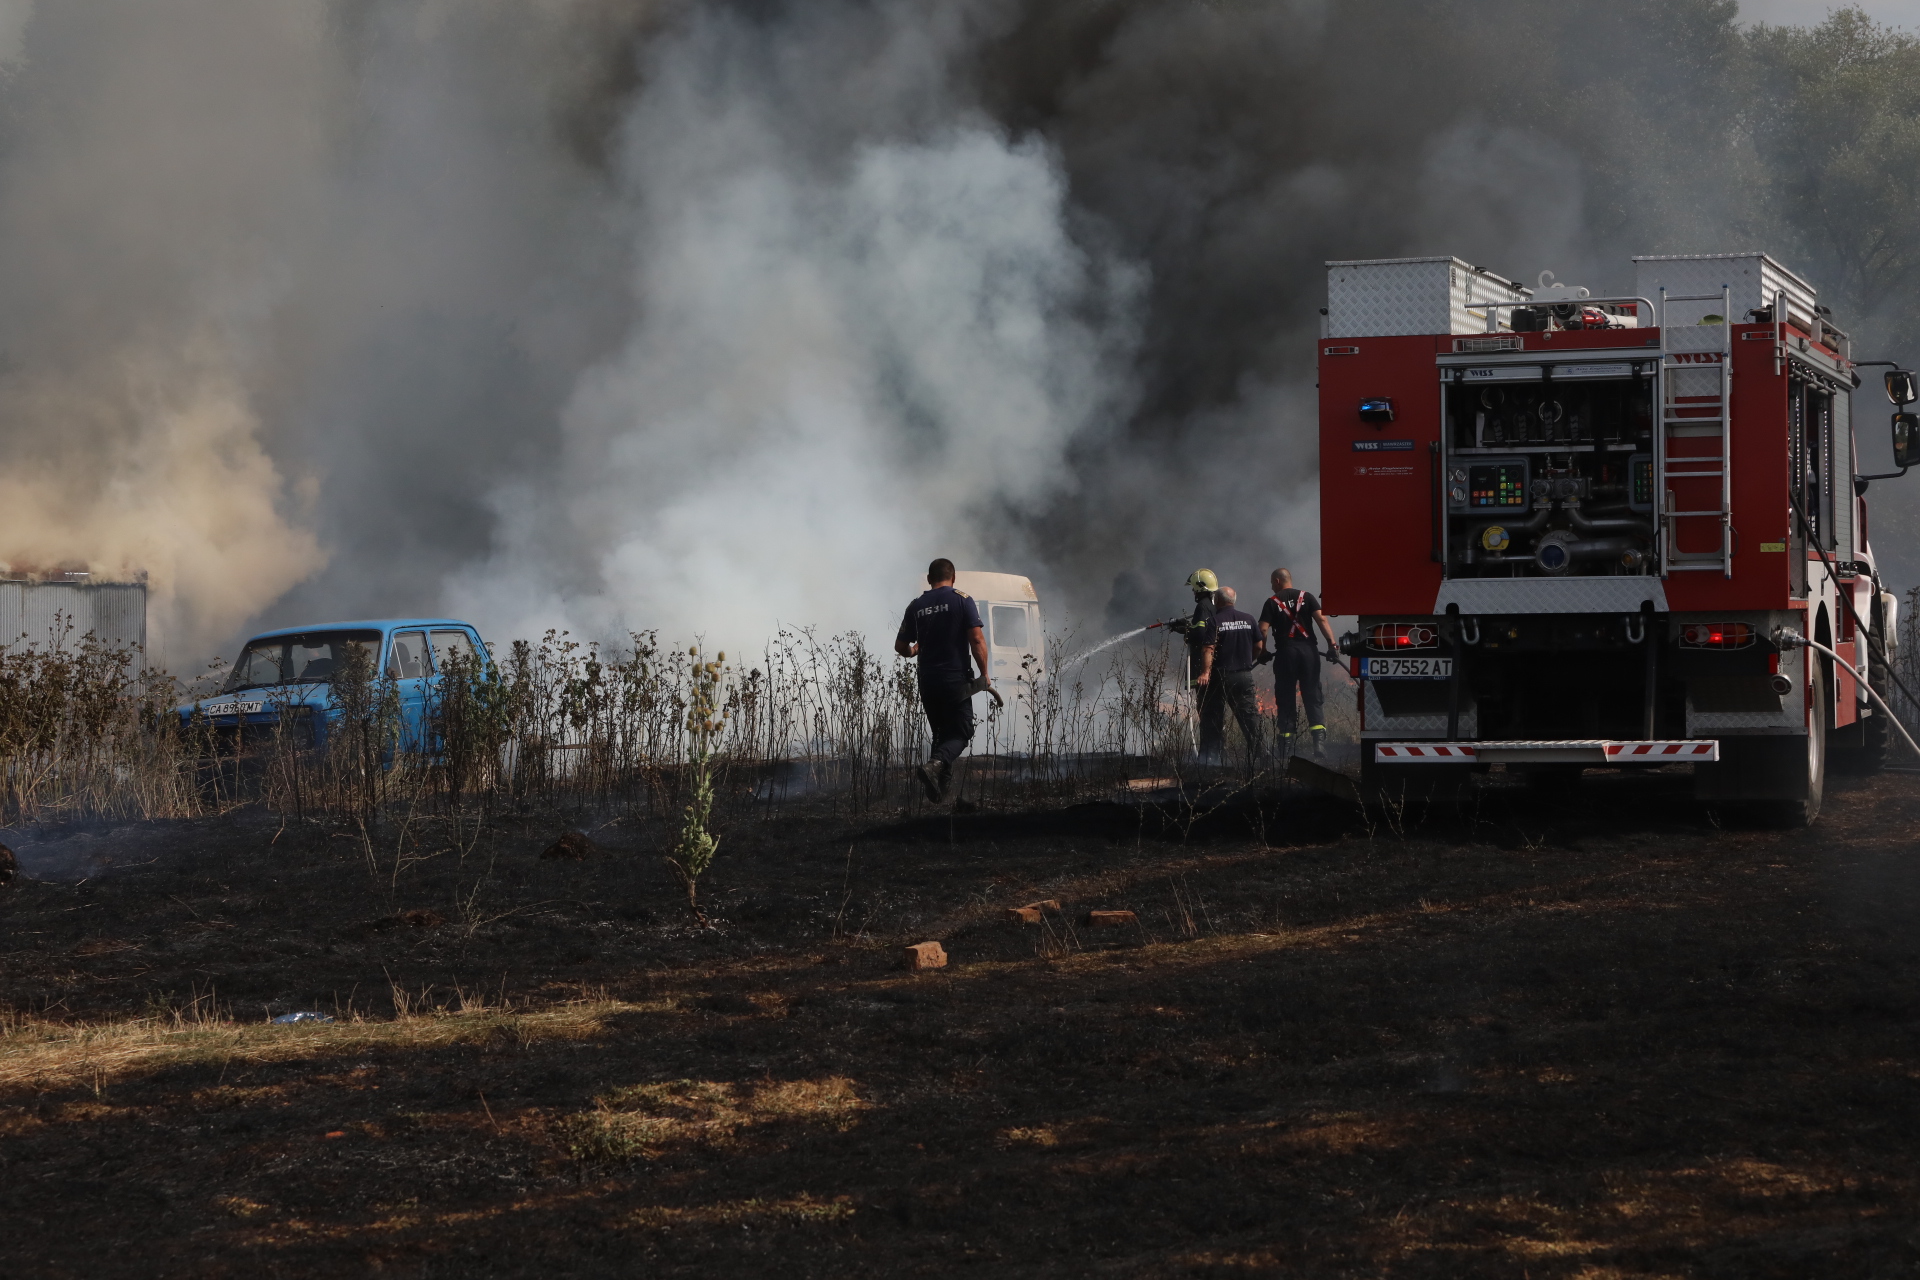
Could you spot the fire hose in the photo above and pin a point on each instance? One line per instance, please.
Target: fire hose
(1180, 626)
(1790, 639)
(983, 685)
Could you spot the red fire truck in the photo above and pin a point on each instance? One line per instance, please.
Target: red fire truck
(1592, 532)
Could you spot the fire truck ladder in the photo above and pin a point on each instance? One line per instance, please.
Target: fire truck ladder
(1696, 416)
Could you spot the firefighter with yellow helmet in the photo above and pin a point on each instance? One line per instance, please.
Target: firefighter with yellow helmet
(1199, 627)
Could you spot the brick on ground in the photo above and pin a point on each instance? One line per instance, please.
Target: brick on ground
(924, 955)
(1109, 919)
(1033, 911)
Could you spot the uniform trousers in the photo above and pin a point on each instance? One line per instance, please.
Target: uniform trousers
(949, 706)
(1228, 689)
(1297, 666)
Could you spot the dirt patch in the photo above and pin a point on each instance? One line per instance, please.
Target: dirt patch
(1598, 1035)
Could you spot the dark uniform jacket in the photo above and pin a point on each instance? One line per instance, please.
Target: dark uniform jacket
(941, 622)
(1238, 637)
(1290, 614)
(1200, 632)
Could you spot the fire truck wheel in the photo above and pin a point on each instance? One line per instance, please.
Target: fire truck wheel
(1773, 780)
(1810, 754)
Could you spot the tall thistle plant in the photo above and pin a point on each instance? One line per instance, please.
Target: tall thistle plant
(694, 847)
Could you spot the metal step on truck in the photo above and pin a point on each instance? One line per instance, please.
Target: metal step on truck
(1604, 532)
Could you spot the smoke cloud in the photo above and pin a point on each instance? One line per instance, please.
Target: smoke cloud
(138, 220)
(707, 316)
(863, 335)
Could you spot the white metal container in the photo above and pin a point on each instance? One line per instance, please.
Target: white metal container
(37, 614)
(1385, 297)
(1754, 278)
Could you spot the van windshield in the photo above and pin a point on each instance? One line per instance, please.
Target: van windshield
(303, 659)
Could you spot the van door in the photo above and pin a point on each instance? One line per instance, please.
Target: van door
(409, 668)
(1013, 635)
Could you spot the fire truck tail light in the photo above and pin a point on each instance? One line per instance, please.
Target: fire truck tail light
(1717, 635)
(1397, 635)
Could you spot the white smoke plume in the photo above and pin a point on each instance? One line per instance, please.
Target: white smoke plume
(584, 314)
(846, 359)
(140, 221)
(157, 470)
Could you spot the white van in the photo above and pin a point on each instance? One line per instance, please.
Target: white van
(1010, 614)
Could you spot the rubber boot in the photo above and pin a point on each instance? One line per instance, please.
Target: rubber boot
(943, 774)
(1319, 732)
(929, 775)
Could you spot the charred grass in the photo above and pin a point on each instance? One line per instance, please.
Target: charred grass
(1604, 1034)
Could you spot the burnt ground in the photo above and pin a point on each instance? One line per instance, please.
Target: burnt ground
(1602, 1034)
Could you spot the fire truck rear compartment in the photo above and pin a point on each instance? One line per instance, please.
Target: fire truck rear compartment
(1547, 476)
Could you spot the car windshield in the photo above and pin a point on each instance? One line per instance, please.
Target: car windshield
(305, 659)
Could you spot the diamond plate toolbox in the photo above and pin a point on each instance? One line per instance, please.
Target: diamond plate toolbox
(1390, 297)
(1754, 278)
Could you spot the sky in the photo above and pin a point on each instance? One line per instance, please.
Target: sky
(1895, 13)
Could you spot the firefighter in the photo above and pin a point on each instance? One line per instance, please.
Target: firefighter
(1226, 679)
(942, 630)
(1198, 629)
(1286, 630)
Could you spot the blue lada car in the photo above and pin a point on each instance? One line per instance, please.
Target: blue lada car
(290, 673)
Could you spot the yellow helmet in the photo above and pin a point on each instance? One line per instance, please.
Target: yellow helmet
(1203, 580)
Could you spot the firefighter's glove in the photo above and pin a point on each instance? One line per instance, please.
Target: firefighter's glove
(1180, 626)
(1332, 656)
(1262, 658)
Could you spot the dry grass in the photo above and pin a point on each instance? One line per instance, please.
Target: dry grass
(560, 727)
(645, 1120)
(39, 1053)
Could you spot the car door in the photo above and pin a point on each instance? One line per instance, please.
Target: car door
(410, 667)
(449, 642)
(451, 645)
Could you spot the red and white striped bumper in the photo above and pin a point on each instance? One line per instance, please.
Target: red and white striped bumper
(1572, 751)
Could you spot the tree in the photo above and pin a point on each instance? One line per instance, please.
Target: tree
(1834, 113)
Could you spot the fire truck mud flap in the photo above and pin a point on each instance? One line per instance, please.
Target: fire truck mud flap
(1599, 752)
